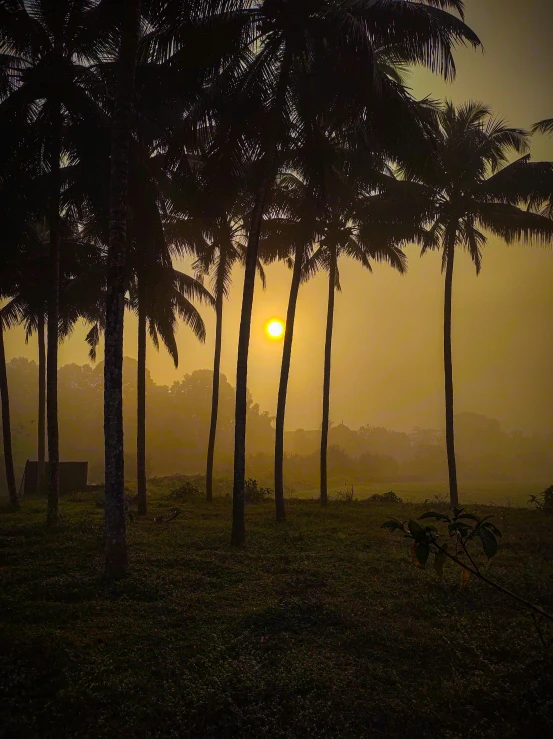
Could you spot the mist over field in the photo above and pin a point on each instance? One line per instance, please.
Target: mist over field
(494, 463)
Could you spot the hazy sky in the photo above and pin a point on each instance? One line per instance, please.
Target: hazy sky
(387, 353)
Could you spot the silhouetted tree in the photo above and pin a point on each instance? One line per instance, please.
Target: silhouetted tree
(468, 187)
(160, 295)
(50, 45)
(116, 544)
(344, 235)
(322, 44)
(6, 423)
(545, 126)
(207, 221)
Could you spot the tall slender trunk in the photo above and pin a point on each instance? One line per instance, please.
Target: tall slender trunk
(326, 377)
(448, 369)
(53, 318)
(238, 533)
(141, 406)
(216, 381)
(6, 424)
(41, 440)
(283, 385)
(116, 539)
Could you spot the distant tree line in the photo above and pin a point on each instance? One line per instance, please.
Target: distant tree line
(368, 454)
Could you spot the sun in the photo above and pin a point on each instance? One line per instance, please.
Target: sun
(275, 328)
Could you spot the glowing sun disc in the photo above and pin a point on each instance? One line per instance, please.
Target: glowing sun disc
(275, 328)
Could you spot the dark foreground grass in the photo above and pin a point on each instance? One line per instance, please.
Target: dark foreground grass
(319, 627)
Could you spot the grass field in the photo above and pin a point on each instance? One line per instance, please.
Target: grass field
(498, 493)
(319, 627)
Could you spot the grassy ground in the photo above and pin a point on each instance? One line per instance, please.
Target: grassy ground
(497, 493)
(319, 627)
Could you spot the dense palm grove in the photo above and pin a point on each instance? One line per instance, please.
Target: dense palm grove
(229, 131)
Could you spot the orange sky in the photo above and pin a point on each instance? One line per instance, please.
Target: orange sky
(387, 355)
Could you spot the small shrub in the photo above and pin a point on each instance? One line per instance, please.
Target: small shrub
(345, 496)
(389, 497)
(186, 491)
(544, 500)
(254, 493)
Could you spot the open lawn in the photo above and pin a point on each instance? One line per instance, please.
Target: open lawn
(319, 627)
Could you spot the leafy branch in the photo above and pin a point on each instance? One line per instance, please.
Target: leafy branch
(463, 528)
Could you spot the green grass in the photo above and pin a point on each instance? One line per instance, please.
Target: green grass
(319, 627)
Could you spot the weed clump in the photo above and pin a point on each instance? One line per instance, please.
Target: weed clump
(186, 491)
(345, 496)
(389, 497)
(544, 501)
(254, 493)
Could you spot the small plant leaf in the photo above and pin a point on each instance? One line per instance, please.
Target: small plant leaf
(492, 528)
(421, 552)
(465, 577)
(469, 516)
(489, 542)
(461, 527)
(417, 532)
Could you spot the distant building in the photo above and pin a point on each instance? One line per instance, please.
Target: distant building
(73, 477)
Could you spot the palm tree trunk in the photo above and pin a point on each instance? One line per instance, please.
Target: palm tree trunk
(6, 424)
(326, 377)
(141, 407)
(448, 368)
(238, 533)
(215, 390)
(41, 441)
(116, 540)
(53, 318)
(283, 385)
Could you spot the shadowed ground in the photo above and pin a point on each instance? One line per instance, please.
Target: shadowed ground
(319, 627)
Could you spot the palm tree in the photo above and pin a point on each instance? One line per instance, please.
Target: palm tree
(14, 218)
(545, 126)
(116, 544)
(28, 299)
(207, 221)
(6, 423)
(223, 249)
(48, 46)
(468, 189)
(346, 233)
(321, 43)
(330, 172)
(160, 294)
(289, 234)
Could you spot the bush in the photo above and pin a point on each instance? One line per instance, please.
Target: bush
(254, 493)
(389, 497)
(345, 496)
(186, 491)
(544, 500)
